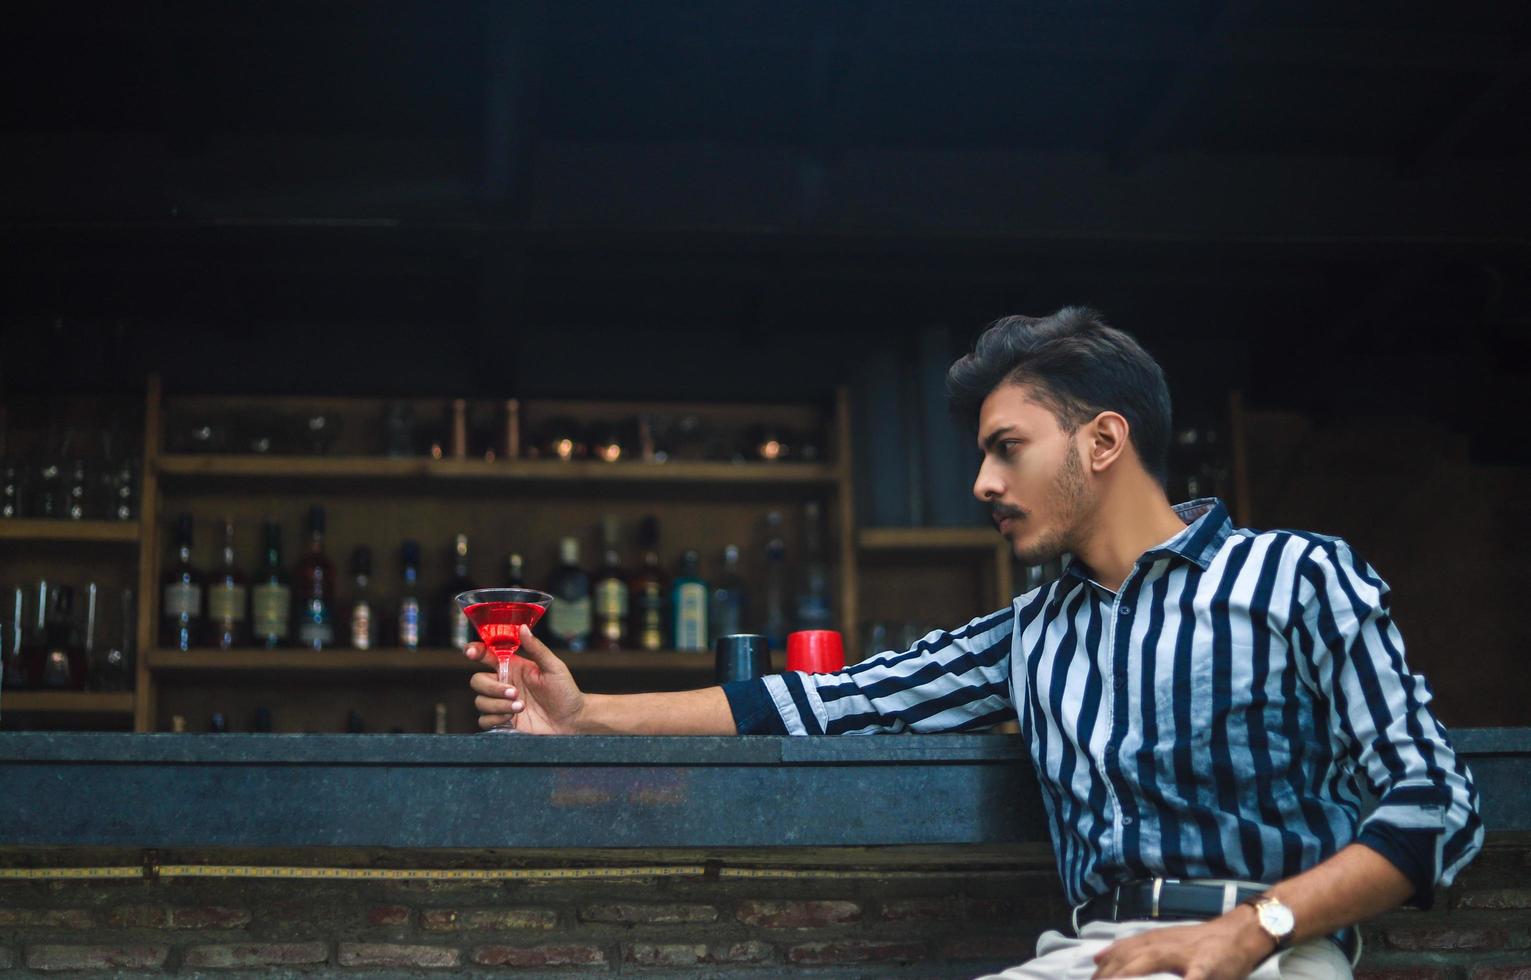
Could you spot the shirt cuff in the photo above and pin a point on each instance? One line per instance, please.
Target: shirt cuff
(754, 711)
(1411, 852)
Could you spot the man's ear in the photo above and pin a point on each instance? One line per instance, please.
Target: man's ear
(1108, 437)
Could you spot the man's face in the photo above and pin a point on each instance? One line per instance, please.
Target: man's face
(1031, 477)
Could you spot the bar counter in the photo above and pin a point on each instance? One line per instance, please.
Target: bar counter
(538, 792)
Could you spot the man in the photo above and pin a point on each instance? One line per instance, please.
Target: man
(1210, 709)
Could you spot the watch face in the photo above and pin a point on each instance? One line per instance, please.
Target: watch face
(1276, 918)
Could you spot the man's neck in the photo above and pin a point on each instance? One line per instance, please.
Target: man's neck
(1133, 518)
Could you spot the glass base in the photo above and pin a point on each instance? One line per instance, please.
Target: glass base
(502, 730)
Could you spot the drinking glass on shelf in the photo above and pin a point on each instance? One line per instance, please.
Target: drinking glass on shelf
(498, 615)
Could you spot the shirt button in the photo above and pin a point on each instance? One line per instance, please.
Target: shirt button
(1124, 611)
(1126, 821)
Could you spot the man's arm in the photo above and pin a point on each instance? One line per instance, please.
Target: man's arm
(1425, 827)
(1353, 885)
(953, 680)
(544, 700)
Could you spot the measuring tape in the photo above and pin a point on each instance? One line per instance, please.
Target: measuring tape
(466, 874)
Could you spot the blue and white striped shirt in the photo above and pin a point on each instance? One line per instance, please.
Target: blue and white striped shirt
(1233, 711)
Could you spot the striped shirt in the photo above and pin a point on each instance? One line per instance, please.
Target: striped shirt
(1239, 708)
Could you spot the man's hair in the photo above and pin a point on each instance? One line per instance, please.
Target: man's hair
(1076, 365)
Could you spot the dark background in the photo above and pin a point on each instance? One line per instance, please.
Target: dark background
(1324, 205)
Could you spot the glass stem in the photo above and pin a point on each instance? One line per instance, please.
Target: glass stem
(504, 670)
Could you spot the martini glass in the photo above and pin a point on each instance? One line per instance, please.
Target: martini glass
(498, 615)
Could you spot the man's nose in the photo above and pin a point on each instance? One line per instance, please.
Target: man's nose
(988, 486)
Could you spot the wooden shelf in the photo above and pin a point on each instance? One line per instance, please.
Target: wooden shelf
(530, 471)
(36, 529)
(68, 702)
(928, 539)
(402, 661)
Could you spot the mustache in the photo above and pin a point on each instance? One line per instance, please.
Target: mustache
(999, 512)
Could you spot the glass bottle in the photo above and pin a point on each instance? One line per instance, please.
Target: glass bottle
(181, 598)
(363, 625)
(569, 617)
(227, 598)
(515, 572)
(271, 596)
(14, 672)
(315, 583)
(411, 613)
(650, 591)
(460, 632)
(63, 655)
(688, 599)
(115, 670)
(725, 614)
(612, 617)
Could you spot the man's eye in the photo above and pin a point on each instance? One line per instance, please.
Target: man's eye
(1009, 447)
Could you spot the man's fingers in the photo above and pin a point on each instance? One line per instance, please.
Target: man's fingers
(474, 651)
(488, 682)
(537, 652)
(486, 722)
(498, 706)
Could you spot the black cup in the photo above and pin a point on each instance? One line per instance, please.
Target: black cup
(742, 657)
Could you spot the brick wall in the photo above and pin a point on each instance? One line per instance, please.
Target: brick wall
(929, 924)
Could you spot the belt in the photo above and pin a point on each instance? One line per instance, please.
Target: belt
(1173, 898)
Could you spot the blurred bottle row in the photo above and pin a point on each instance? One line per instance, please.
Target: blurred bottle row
(466, 429)
(62, 474)
(607, 605)
(55, 637)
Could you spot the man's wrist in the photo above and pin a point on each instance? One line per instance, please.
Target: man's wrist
(1252, 937)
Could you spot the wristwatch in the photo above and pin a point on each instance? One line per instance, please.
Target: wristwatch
(1275, 918)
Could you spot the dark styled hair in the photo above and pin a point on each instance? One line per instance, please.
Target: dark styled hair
(1078, 366)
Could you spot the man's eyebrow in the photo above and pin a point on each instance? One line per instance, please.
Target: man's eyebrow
(996, 436)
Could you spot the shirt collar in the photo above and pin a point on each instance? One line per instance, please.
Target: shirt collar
(1207, 527)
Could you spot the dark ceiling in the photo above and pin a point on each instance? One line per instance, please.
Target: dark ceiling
(1312, 198)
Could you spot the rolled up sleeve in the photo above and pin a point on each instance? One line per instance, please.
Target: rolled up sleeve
(1426, 819)
(956, 680)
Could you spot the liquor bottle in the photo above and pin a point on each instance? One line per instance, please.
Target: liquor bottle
(14, 674)
(689, 602)
(776, 583)
(813, 607)
(411, 613)
(262, 720)
(612, 621)
(227, 598)
(271, 596)
(181, 602)
(315, 583)
(10, 488)
(569, 617)
(650, 591)
(88, 648)
(63, 656)
(115, 670)
(33, 645)
(440, 720)
(178, 724)
(460, 632)
(363, 626)
(515, 572)
(76, 490)
(725, 614)
(218, 723)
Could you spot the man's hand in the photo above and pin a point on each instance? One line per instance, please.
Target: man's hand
(1226, 948)
(542, 695)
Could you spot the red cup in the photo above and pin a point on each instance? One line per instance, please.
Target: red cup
(815, 651)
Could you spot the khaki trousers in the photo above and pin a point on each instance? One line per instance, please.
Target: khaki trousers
(1061, 957)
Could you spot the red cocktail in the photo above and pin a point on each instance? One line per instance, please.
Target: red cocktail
(498, 615)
